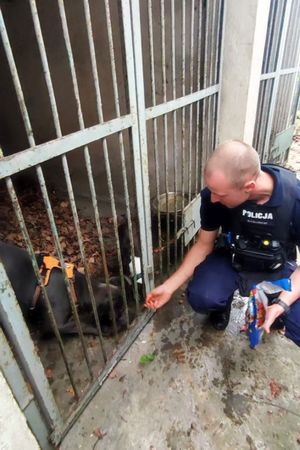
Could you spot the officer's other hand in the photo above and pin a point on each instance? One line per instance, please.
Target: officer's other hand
(273, 311)
(157, 297)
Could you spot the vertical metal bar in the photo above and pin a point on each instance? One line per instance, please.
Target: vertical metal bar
(16, 80)
(220, 50)
(219, 10)
(276, 34)
(265, 112)
(258, 124)
(101, 242)
(100, 118)
(175, 146)
(105, 147)
(153, 95)
(124, 174)
(42, 50)
(63, 265)
(204, 136)
(31, 141)
(191, 105)
(92, 188)
(268, 46)
(296, 77)
(183, 121)
(40, 42)
(277, 77)
(295, 58)
(30, 250)
(165, 125)
(25, 399)
(15, 327)
(204, 104)
(132, 37)
(211, 75)
(197, 149)
(217, 41)
(206, 73)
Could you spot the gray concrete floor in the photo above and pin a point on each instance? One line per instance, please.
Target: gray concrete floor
(204, 390)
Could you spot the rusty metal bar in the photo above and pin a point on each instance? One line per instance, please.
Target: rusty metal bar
(124, 174)
(19, 214)
(105, 147)
(175, 146)
(183, 117)
(192, 19)
(165, 125)
(197, 149)
(14, 199)
(42, 50)
(13, 323)
(92, 188)
(155, 140)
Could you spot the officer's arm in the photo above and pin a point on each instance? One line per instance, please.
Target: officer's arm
(203, 247)
(288, 297)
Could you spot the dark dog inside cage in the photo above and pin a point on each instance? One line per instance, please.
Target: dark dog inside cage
(20, 272)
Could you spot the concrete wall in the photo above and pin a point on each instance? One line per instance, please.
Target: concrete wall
(14, 431)
(243, 46)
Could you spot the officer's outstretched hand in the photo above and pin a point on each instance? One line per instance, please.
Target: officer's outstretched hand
(157, 297)
(273, 311)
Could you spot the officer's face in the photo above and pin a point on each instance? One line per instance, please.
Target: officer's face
(223, 192)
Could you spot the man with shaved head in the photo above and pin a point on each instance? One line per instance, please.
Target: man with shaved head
(255, 211)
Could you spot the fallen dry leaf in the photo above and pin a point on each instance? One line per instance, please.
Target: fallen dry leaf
(275, 388)
(70, 391)
(179, 355)
(49, 374)
(99, 433)
(113, 374)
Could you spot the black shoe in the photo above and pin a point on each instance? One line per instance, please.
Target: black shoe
(220, 319)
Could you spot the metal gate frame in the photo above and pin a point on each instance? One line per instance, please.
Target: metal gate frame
(282, 34)
(36, 155)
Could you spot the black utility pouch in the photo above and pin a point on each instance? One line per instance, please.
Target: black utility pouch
(257, 255)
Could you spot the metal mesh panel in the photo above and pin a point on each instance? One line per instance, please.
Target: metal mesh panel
(291, 51)
(264, 100)
(276, 17)
(278, 90)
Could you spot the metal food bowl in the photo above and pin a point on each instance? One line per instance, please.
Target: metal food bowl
(160, 205)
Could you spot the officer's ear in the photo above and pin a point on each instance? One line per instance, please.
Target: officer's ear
(249, 186)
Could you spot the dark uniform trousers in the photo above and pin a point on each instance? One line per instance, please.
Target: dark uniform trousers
(215, 280)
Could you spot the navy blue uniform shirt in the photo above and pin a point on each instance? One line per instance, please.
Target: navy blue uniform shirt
(215, 215)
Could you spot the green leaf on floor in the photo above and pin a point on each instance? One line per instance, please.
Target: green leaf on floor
(145, 359)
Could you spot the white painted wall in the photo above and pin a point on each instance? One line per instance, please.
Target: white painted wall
(243, 47)
(14, 431)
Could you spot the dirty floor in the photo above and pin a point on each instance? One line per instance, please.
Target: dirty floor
(204, 390)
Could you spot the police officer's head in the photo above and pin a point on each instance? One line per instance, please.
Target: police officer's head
(231, 173)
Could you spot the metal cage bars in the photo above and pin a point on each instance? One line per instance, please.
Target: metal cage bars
(279, 74)
(36, 155)
(178, 128)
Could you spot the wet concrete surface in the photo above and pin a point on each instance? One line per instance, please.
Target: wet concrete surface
(204, 389)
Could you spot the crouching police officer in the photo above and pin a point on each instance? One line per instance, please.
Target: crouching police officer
(257, 208)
